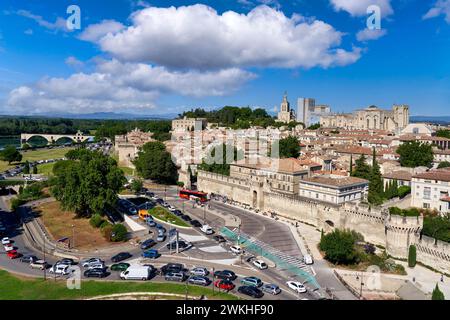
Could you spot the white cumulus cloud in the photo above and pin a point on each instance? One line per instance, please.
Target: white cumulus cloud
(441, 7)
(367, 34)
(197, 37)
(358, 8)
(120, 86)
(94, 32)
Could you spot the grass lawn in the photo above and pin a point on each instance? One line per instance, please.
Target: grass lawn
(166, 216)
(59, 224)
(35, 155)
(37, 289)
(46, 168)
(127, 171)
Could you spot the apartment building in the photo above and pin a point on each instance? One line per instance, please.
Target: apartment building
(430, 190)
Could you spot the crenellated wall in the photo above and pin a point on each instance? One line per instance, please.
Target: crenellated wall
(396, 233)
(432, 252)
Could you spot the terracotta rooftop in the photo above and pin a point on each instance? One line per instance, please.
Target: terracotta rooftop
(438, 174)
(398, 175)
(334, 181)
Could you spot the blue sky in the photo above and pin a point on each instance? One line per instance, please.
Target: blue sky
(129, 56)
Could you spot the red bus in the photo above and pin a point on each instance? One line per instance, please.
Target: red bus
(193, 195)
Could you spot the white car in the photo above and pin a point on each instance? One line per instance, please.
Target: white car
(260, 264)
(172, 208)
(96, 266)
(86, 263)
(62, 269)
(8, 247)
(6, 241)
(296, 286)
(236, 249)
(307, 259)
(207, 229)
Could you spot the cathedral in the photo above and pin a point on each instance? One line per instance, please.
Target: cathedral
(369, 118)
(286, 114)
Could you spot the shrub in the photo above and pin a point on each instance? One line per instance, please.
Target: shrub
(412, 256)
(16, 203)
(104, 224)
(369, 248)
(119, 233)
(437, 294)
(107, 231)
(96, 221)
(412, 212)
(403, 191)
(339, 247)
(395, 211)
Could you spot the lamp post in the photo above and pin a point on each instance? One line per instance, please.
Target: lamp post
(361, 285)
(73, 236)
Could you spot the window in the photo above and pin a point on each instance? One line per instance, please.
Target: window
(427, 193)
(426, 205)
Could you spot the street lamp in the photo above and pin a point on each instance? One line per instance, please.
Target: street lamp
(361, 286)
(73, 236)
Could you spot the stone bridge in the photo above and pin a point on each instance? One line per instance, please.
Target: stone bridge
(52, 138)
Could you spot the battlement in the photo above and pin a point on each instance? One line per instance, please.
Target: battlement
(222, 178)
(403, 223)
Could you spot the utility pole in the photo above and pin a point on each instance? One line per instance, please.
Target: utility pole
(177, 242)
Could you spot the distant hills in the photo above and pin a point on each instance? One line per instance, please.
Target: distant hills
(431, 119)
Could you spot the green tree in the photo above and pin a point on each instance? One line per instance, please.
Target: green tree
(137, 185)
(375, 183)
(155, 163)
(403, 191)
(219, 158)
(35, 169)
(412, 256)
(414, 154)
(314, 126)
(339, 247)
(288, 147)
(437, 294)
(444, 164)
(119, 233)
(362, 169)
(26, 168)
(88, 185)
(10, 154)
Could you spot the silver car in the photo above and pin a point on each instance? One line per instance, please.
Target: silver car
(271, 288)
(200, 271)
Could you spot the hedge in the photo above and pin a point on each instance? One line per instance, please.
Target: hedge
(412, 256)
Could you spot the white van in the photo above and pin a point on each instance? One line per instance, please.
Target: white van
(136, 273)
(207, 229)
(307, 259)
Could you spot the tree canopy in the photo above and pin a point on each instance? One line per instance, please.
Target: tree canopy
(155, 163)
(362, 169)
(339, 246)
(87, 184)
(444, 164)
(219, 158)
(289, 147)
(376, 188)
(414, 154)
(10, 154)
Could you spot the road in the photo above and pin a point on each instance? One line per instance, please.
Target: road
(191, 258)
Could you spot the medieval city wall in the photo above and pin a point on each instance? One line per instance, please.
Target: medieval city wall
(432, 252)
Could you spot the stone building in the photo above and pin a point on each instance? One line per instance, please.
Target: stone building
(431, 190)
(189, 124)
(370, 118)
(128, 145)
(286, 114)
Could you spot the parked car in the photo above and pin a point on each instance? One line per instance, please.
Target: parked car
(38, 264)
(61, 269)
(161, 238)
(200, 271)
(271, 288)
(161, 232)
(136, 273)
(13, 254)
(224, 284)
(182, 245)
(121, 266)
(236, 249)
(251, 291)
(225, 274)
(161, 227)
(178, 213)
(260, 264)
(151, 254)
(308, 259)
(6, 241)
(206, 229)
(172, 267)
(195, 223)
(8, 247)
(296, 286)
(147, 244)
(219, 238)
(68, 261)
(28, 259)
(96, 273)
(185, 217)
(151, 223)
(172, 232)
(199, 280)
(175, 276)
(252, 281)
(96, 266)
(121, 256)
(85, 263)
